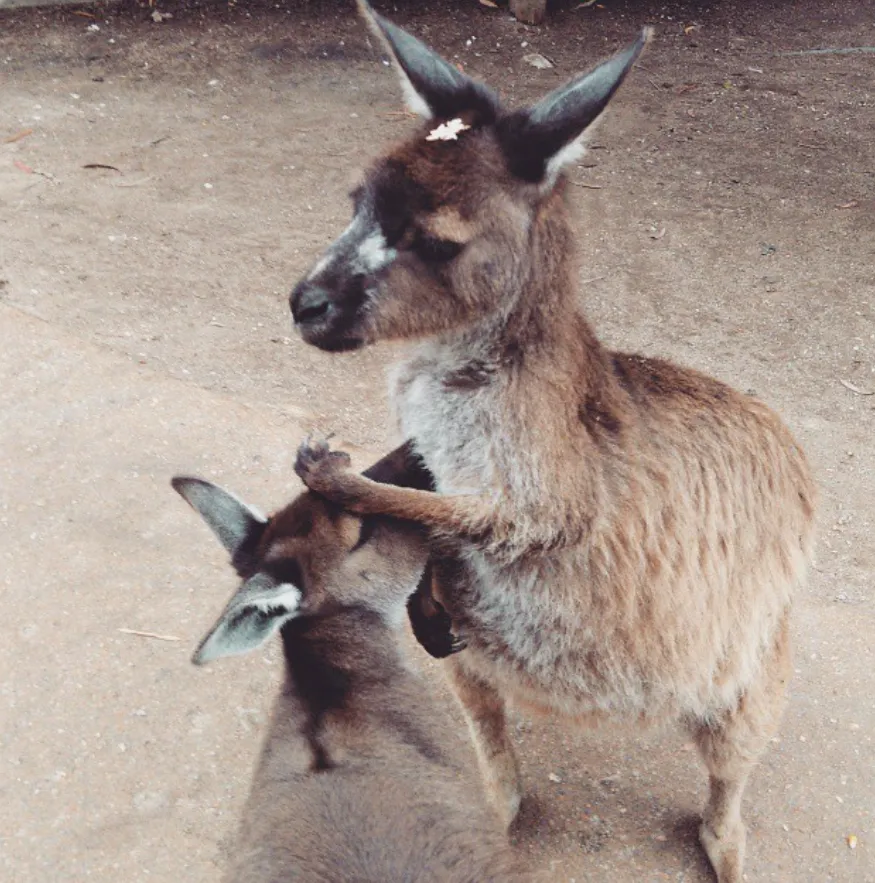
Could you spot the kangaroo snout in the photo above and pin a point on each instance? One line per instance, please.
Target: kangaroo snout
(330, 318)
(309, 303)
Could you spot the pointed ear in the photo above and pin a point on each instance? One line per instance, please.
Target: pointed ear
(432, 87)
(259, 608)
(239, 527)
(541, 141)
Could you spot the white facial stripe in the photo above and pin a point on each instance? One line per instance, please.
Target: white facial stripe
(352, 231)
(374, 254)
(321, 264)
(362, 244)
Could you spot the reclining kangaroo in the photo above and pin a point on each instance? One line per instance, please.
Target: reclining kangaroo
(614, 535)
(359, 778)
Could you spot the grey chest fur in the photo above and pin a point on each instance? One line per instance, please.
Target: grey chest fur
(449, 408)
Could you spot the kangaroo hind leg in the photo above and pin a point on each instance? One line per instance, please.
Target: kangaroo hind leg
(730, 748)
(485, 711)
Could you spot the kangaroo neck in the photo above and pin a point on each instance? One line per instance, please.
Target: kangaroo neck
(539, 319)
(333, 659)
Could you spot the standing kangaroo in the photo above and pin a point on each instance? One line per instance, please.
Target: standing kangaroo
(359, 779)
(614, 535)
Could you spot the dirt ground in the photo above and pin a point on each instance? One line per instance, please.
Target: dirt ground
(162, 186)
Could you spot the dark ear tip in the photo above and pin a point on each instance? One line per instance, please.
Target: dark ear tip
(180, 483)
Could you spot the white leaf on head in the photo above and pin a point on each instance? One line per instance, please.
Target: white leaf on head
(448, 131)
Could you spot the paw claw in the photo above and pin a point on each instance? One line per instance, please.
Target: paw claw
(316, 463)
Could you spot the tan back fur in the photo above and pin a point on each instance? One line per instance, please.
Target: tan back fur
(614, 535)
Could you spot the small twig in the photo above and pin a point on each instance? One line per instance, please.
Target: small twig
(18, 136)
(814, 146)
(140, 634)
(588, 186)
(856, 389)
(649, 78)
(593, 279)
(100, 165)
(849, 50)
(29, 171)
(129, 183)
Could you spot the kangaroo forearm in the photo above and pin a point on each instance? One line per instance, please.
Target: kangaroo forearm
(467, 516)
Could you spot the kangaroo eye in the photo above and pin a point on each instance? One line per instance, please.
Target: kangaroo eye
(435, 250)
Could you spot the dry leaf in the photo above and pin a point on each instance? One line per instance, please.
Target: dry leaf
(489, 3)
(535, 59)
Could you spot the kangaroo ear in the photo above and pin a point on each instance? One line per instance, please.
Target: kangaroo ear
(432, 87)
(239, 527)
(541, 141)
(260, 607)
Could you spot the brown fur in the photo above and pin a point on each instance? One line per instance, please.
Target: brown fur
(618, 536)
(361, 777)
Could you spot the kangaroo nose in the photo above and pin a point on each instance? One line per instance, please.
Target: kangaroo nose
(309, 303)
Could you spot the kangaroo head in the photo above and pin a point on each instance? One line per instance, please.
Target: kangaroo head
(444, 226)
(309, 559)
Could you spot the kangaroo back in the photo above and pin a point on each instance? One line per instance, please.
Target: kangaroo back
(625, 535)
(362, 777)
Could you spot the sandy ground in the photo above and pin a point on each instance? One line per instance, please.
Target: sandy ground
(162, 186)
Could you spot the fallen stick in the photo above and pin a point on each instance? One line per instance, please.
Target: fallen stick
(856, 389)
(140, 634)
(17, 137)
